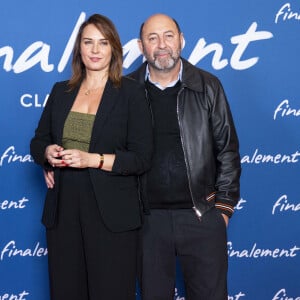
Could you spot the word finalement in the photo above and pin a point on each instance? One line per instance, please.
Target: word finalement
(282, 205)
(285, 13)
(236, 297)
(10, 250)
(177, 296)
(257, 158)
(10, 156)
(256, 252)
(38, 53)
(240, 205)
(284, 110)
(19, 296)
(12, 204)
(282, 295)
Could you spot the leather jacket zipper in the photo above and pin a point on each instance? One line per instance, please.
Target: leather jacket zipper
(196, 210)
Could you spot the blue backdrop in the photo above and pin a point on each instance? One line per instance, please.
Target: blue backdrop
(253, 47)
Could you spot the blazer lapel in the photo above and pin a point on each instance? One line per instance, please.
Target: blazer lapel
(109, 100)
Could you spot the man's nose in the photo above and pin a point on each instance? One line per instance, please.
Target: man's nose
(161, 42)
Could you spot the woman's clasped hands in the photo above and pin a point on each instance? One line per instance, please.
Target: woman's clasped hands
(59, 157)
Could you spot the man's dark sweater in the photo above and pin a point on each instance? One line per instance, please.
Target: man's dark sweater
(167, 180)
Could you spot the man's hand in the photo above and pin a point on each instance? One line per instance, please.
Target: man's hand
(226, 219)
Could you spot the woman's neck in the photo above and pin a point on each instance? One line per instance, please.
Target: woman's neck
(94, 80)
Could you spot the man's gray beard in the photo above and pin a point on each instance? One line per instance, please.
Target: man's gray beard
(166, 66)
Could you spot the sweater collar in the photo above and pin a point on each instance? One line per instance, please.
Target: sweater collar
(171, 84)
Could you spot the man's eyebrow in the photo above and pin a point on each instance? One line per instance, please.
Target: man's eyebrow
(151, 33)
(168, 31)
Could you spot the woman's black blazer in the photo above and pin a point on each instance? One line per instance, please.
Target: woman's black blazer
(122, 126)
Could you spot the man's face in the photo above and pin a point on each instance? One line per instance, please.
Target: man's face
(161, 43)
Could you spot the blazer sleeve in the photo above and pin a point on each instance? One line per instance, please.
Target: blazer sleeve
(43, 136)
(136, 159)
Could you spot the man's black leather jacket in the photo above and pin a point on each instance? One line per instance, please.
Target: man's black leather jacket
(209, 140)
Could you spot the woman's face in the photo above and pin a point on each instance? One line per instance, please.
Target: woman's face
(95, 49)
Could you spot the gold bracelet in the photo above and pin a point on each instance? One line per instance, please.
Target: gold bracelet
(101, 161)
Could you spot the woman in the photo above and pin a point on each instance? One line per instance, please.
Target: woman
(93, 140)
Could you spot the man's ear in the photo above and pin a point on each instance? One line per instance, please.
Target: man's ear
(140, 44)
(181, 40)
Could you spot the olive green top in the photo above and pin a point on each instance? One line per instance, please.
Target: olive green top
(77, 131)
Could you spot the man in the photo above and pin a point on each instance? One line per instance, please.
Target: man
(193, 184)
